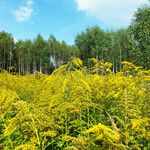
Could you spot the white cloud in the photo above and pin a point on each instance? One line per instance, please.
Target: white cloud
(24, 12)
(112, 12)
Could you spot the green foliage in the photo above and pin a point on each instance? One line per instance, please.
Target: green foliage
(72, 109)
(141, 40)
(91, 43)
(44, 56)
(6, 50)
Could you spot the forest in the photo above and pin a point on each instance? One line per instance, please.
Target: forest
(93, 95)
(44, 56)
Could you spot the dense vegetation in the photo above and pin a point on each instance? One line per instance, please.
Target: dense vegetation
(97, 96)
(131, 44)
(76, 109)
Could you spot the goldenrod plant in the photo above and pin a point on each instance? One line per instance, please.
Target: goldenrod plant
(76, 109)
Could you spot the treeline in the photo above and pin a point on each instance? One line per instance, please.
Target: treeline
(32, 56)
(131, 44)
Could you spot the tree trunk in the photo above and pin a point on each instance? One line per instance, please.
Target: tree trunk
(34, 65)
(40, 65)
(10, 56)
(113, 66)
(116, 66)
(120, 59)
(19, 63)
(4, 67)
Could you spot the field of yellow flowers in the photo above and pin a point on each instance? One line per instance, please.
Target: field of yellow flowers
(76, 109)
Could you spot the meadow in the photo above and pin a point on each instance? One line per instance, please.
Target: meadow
(76, 109)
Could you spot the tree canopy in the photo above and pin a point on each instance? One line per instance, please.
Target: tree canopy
(128, 44)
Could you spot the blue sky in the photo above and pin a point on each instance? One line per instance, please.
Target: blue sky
(64, 18)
